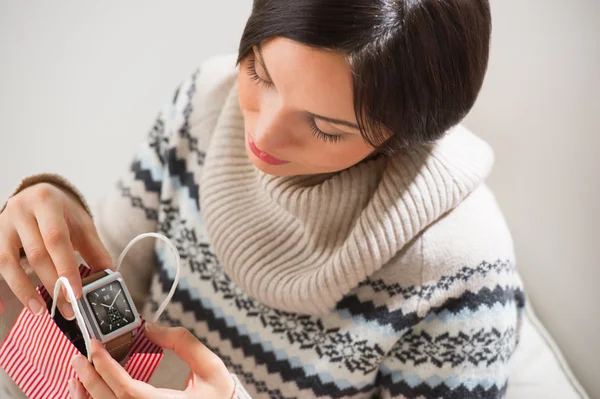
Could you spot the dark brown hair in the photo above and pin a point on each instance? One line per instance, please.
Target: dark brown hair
(417, 65)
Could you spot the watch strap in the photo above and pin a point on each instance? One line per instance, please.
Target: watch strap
(118, 347)
(93, 277)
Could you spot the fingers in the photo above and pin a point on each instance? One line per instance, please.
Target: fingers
(77, 390)
(42, 220)
(202, 361)
(39, 259)
(91, 380)
(90, 247)
(115, 376)
(190, 380)
(16, 278)
(84, 235)
(1, 307)
(56, 238)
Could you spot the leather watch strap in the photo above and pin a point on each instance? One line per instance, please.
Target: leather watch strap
(93, 277)
(118, 347)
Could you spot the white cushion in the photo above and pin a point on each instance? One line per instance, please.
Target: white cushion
(538, 368)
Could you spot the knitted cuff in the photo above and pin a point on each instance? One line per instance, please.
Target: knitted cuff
(239, 392)
(53, 179)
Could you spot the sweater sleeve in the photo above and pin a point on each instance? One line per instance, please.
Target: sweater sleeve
(462, 349)
(131, 207)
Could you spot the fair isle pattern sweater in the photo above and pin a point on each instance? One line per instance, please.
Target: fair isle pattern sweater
(394, 278)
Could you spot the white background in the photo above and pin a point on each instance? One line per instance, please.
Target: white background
(81, 83)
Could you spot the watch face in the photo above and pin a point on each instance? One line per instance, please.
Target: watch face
(110, 307)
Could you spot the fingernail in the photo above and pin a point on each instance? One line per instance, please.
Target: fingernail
(77, 362)
(64, 292)
(35, 307)
(97, 347)
(66, 296)
(153, 328)
(67, 311)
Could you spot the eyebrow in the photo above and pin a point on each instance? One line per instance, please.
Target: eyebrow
(334, 121)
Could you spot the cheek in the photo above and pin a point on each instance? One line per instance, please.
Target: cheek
(343, 156)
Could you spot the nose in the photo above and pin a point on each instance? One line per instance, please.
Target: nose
(273, 129)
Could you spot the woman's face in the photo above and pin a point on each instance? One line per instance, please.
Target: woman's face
(297, 104)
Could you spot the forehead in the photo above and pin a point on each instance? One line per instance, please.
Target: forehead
(315, 80)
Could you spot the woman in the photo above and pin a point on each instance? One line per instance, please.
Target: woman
(336, 234)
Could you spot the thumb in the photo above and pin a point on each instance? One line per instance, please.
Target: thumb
(202, 361)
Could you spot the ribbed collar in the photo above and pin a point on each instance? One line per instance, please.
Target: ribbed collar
(301, 243)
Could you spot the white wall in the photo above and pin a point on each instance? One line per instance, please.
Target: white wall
(540, 110)
(81, 84)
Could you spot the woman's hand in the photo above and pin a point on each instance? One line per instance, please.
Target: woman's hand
(106, 379)
(49, 224)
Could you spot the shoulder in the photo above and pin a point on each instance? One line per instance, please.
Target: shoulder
(213, 81)
(205, 89)
(475, 230)
(469, 254)
(469, 305)
(196, 102)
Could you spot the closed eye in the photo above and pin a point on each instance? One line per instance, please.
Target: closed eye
(251, 69)
(318, 133)
(330, 138)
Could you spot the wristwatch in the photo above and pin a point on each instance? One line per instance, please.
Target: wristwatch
(109, 312)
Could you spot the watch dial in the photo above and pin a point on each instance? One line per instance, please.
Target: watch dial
(110, 307)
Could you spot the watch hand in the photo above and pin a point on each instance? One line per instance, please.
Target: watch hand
(105, 305)
(114, 300)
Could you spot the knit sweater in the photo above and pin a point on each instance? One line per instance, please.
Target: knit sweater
(394, 278)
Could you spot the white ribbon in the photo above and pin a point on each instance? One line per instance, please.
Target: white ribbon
(78, 315)
(62, 281)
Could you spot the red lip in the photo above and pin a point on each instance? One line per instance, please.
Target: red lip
(263, 156)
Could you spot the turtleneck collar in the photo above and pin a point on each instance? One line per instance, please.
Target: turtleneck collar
(300, 243)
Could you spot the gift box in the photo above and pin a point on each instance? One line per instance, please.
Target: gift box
(37, 352)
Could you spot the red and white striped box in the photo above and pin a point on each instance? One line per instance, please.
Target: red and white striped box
(36, 354)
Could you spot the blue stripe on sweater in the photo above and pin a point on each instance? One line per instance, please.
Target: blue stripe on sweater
(384, 330)
(467, 315)
(452, 381)
(255, 337)
(158, 173)
(149, 163)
